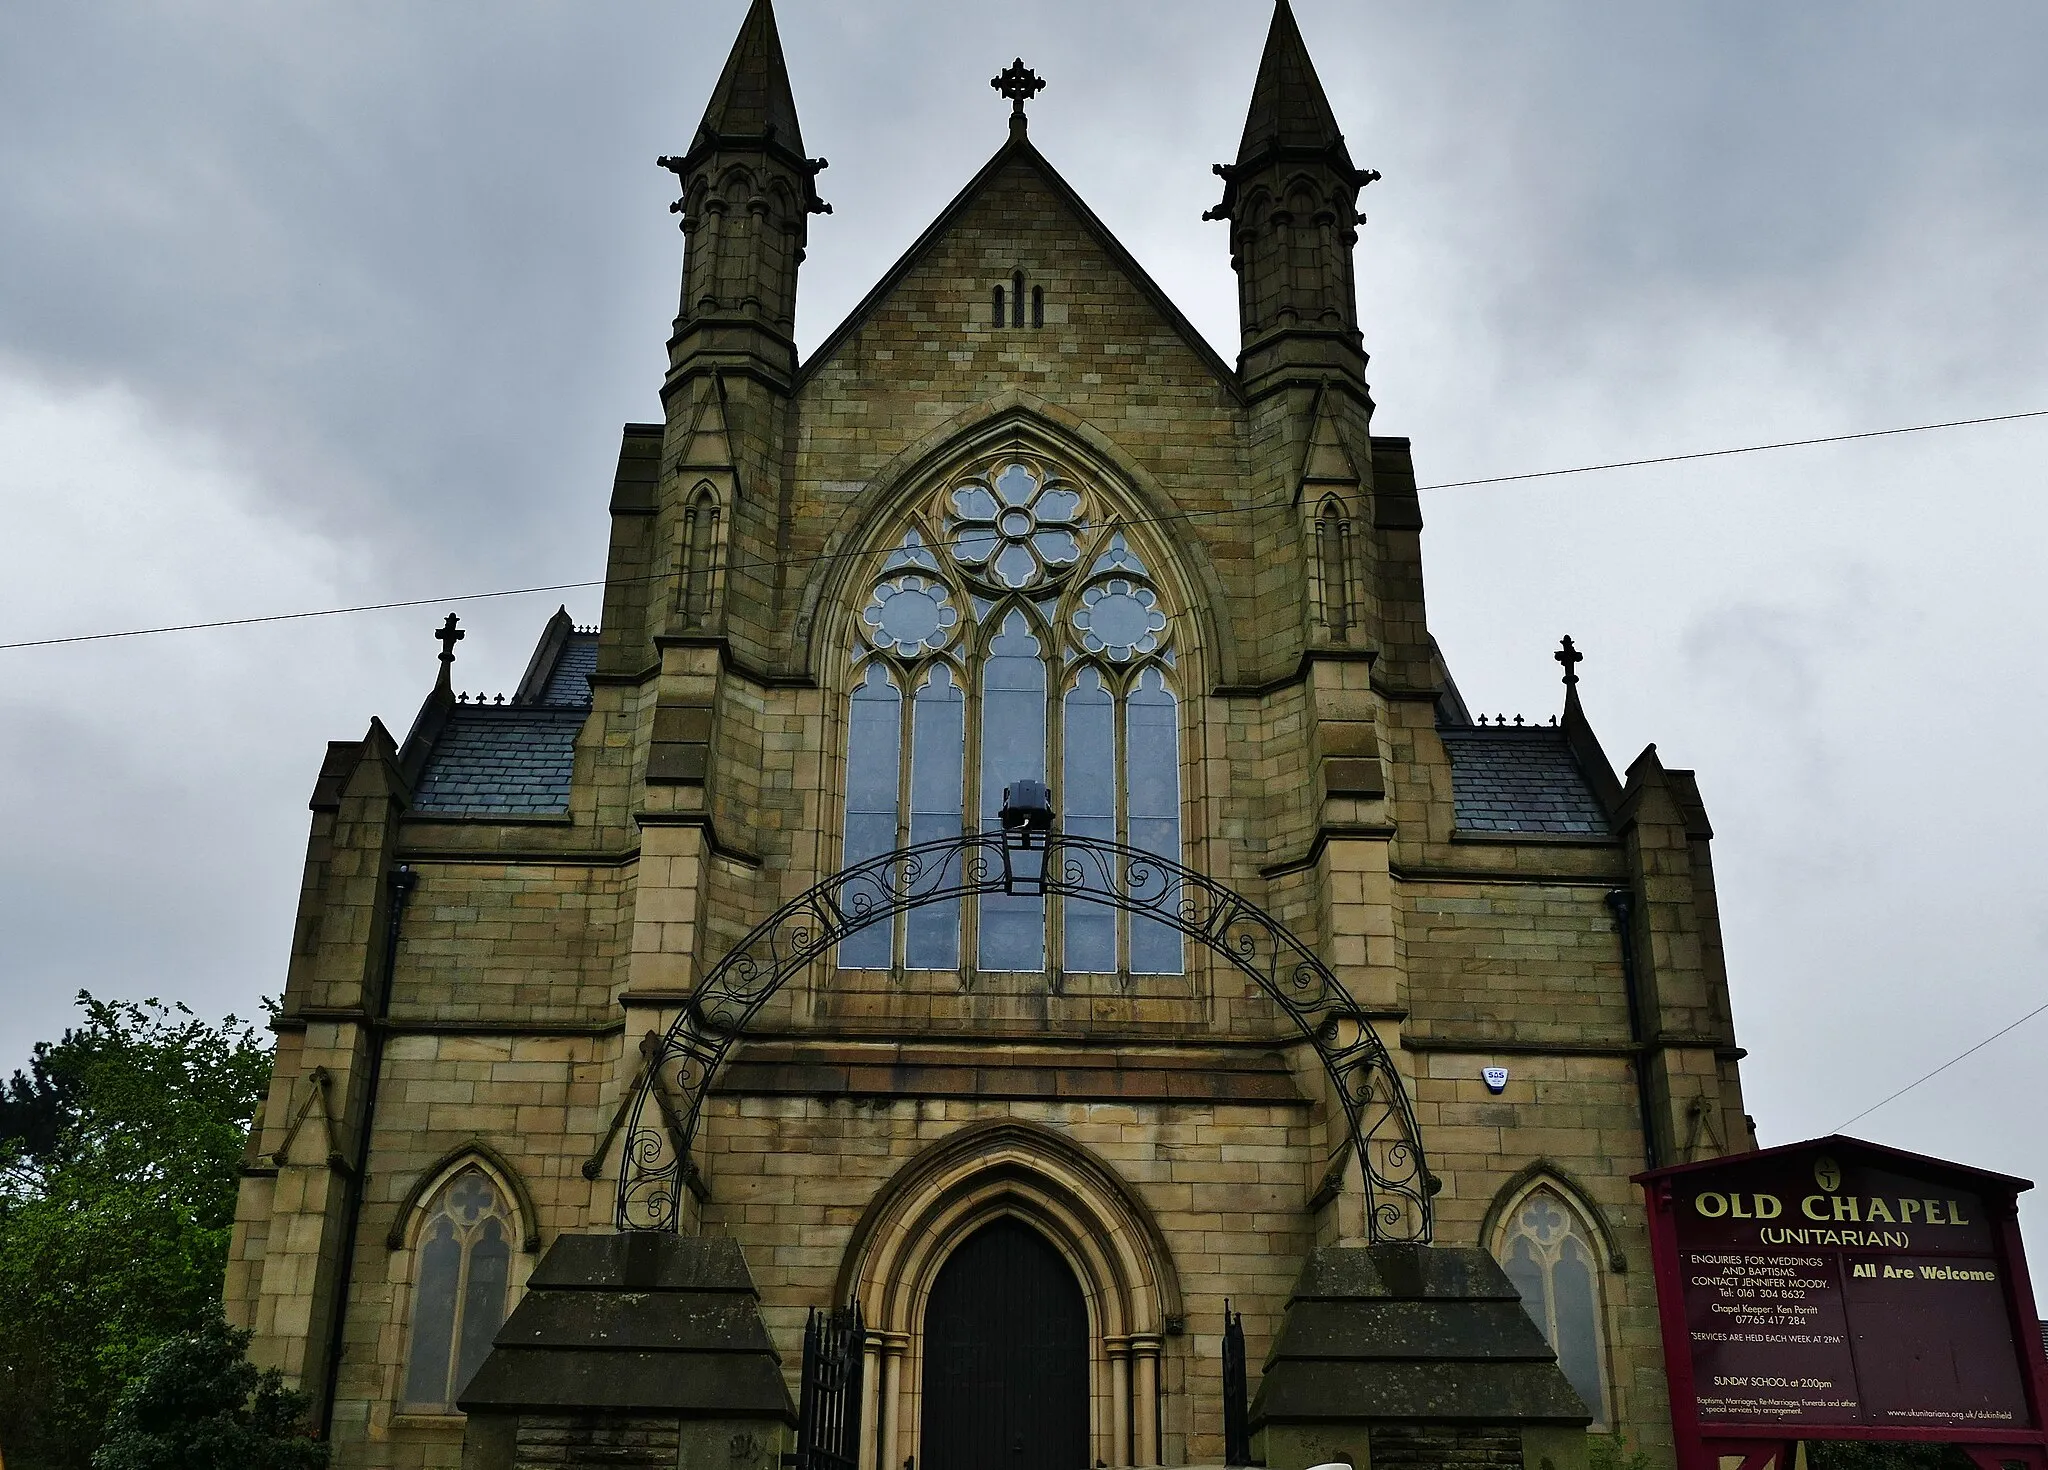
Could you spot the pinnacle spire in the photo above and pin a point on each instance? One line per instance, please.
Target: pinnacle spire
(753, 97)
(1288, 107)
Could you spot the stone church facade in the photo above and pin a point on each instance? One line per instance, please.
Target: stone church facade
(1013, 521)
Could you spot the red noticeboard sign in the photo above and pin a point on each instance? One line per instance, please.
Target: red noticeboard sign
(1841, 1290)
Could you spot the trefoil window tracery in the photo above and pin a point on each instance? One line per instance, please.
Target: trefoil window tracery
(461, 1286)
(1548, 1251)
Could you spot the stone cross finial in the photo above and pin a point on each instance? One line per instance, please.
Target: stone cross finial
(1020, 84)
(1571, 658)
(448, 636)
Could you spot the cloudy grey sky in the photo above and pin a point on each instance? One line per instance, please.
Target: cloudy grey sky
(320, 303)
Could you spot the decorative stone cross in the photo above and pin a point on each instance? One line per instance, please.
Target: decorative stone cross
(448, 636)
(1020, 84)
(1571, 658)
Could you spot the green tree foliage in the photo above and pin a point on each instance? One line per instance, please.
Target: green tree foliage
(198, 1404)
(118, 1158)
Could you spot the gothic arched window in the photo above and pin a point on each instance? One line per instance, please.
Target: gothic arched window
(1333, 568)
(1548, 1251)
(1013, 633)
(700, 554)
(461, 1282)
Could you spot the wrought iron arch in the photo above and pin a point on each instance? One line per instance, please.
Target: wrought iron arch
(655, 1167)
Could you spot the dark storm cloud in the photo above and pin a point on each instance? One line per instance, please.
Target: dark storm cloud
(311, 304)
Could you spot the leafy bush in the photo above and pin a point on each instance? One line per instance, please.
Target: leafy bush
(199, 1404)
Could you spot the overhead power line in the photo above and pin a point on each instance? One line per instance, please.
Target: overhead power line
(322, 612)
(1629, 464)
(1945, 1065)
(859, 551)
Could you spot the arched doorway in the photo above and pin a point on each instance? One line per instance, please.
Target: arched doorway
(1005, 1356)
(980, 1176)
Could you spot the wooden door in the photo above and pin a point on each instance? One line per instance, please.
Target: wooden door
(1005, 1357)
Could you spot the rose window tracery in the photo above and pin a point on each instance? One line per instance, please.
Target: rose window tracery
(910, 614)
(986, 655)
(1019, 527)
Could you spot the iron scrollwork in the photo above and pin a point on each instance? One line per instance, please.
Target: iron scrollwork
(1383, 1135)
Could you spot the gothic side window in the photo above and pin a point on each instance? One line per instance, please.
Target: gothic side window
(461, 1280)
(1547, 1250)
(1013, 633)
(700, 554)
(1333, 569)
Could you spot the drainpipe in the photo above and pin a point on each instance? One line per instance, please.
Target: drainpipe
(1622, 903)
(401, 881)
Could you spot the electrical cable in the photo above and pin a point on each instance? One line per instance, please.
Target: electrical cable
(1629, 464)
(1945, 1066)
(860, 551)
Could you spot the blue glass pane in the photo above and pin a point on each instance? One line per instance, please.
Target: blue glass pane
(1152, 799)
(1012, 749)
(483, 1299)
(433, 1315)
(975, 503)
(1088, 806)
(1015, 484)
(1527, 1273)
(874, 739)
(938, 748)
(1152, 735)
(1057, 507)
(1578, 1326)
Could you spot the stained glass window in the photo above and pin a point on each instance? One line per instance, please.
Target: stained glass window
(1013, 633)
(1547, 1251)
(460, 1283)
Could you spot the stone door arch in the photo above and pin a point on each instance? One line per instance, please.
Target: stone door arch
(1106, 1235)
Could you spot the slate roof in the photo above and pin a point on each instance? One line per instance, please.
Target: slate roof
(503, 760)
(569, 680)
(514, 760)
(1520, 780)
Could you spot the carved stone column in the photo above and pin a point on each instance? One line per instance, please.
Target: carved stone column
(894, 1346)
(870, 1401)
(1119, 1400)
(1145, 1398)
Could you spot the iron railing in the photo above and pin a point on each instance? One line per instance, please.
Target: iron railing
(1237, 1430)
(828, 1410)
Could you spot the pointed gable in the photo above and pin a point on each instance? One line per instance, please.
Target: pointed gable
(1327, 463)
(1019, 168)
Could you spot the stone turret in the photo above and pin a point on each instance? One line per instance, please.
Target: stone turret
(748, 192)
(1291, 200)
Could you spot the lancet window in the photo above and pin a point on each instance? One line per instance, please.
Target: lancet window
(460, 1286)
(700, 554)
(1333, 569)
(1014, 633)
(1548, 1252)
